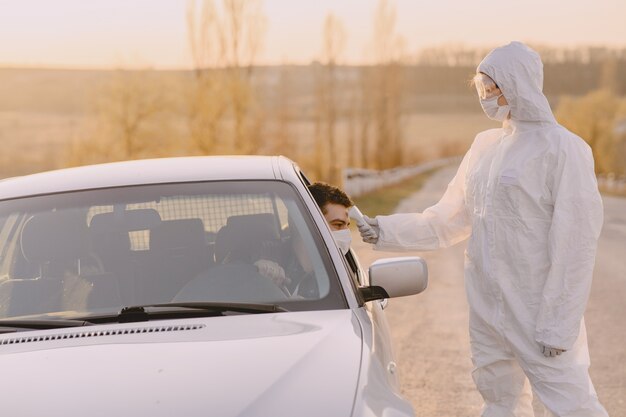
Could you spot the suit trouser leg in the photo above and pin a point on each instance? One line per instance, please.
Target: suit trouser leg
(504, 388)
(498, 376)
(564, 386)
(561, 383)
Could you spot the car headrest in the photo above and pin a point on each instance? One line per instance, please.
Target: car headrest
(54, 236)
(177, 234)
(127, 220)
(245, 236)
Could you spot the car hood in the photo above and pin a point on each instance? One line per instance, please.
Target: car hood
(283, 364)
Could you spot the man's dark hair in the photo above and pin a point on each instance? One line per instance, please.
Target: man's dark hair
(324, 193)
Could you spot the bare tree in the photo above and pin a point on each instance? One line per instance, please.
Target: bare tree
(206, 104)
(282, 103)
(224, 44)
(242, 34)
(384, 27)
(326, 152)
(352, 115)
(203, 35)
(387, 87)
(131, 120)
(127, 106)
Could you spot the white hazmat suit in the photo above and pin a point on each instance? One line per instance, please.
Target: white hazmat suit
(527, 198)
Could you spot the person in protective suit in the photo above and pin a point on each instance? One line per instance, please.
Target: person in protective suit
(526, 197)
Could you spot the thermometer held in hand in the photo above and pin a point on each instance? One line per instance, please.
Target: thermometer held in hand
(356, 214)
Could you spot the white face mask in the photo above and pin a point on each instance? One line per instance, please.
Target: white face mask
(343, 239)
(493, 110)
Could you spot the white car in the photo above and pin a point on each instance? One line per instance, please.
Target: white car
(202, 286)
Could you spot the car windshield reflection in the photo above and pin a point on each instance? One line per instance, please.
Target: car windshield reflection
(96, 251)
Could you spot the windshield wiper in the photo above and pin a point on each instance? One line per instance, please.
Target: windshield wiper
(11, 326)
(162, 311)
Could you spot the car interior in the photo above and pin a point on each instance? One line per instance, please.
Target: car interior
(90, 259)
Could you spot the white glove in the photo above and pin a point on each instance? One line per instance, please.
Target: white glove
(369, 234)
(273, 271)
(550, 351)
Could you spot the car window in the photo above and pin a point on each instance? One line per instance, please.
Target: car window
(355, 270)
(7, 233)
(100, 250)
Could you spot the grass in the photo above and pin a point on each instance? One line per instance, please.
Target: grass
(386, 200)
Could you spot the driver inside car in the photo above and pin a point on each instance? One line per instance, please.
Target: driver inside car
(334, 204)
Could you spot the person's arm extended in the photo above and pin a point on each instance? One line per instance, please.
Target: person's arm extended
(576, 224)
(441, 225)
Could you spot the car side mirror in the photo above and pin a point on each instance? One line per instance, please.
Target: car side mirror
(396, 277)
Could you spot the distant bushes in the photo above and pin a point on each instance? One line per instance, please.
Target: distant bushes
(599, 117)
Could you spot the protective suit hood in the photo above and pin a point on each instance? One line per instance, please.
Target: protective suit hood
(518, 71)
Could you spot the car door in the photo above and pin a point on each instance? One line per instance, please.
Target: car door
(381, 345)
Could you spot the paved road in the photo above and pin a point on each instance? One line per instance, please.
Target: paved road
(430, 330)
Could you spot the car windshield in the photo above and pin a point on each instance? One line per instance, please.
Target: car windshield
(94, 252)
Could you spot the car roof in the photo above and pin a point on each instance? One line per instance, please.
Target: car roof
(148, 171)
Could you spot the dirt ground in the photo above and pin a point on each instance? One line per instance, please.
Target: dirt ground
(430, 330)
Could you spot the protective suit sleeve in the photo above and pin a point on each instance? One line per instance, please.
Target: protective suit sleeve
(442, 225)
(576, 224)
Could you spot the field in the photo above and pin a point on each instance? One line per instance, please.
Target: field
(35, 142)
(44, 113)
(40, 141)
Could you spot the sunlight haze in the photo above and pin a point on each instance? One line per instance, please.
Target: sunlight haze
(153, 33)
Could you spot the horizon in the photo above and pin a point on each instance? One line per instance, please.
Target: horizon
(408, 63)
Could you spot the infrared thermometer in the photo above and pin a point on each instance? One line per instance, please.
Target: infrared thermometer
(356, 214)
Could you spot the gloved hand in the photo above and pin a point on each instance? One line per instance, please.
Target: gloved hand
(550, 351)
(272, 270)
(369, 234)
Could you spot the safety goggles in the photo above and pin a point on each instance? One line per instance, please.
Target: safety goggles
(485, 86)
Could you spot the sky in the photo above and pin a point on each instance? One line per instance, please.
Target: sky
(153, 33)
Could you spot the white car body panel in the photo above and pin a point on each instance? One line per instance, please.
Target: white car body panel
(258, 365)
(147, 171)
(314, 363)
